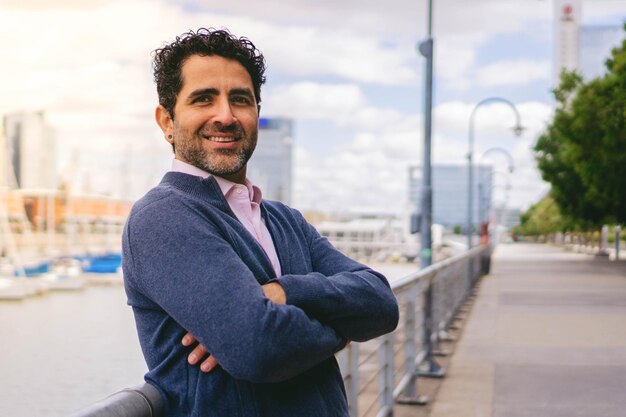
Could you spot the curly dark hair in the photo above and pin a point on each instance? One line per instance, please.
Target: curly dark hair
(168, 61)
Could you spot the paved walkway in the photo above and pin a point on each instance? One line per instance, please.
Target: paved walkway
(546, 337)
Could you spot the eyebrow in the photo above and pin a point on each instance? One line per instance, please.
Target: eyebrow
(215, 92)
(203, 92)
(240, 92)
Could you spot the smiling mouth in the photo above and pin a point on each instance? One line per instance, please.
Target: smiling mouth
(221, 139)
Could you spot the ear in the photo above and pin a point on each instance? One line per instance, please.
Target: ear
(165, 122)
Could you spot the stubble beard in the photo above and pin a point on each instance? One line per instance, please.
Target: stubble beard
(219, 162)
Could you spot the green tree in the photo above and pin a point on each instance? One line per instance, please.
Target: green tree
(582, 153)
(542, 218)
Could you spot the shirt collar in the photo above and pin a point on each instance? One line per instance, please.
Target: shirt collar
(226, 186)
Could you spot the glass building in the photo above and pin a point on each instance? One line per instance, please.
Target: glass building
(270, 167)
(596, 43)
(449, 183)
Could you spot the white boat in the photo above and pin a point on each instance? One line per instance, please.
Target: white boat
(12, 289)
(65, 275)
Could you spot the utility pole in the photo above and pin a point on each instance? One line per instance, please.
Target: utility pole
(426, 48)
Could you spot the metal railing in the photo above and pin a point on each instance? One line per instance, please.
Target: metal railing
(593, 243)
(381, 372)
(140, 401)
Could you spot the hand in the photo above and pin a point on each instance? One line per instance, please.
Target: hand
(198, 353)
(275, 292)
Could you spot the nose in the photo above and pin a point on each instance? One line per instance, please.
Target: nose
(224, 113)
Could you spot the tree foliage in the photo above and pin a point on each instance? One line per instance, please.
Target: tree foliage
(582, 153)
(542, 218)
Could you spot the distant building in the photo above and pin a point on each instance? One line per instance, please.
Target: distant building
(581, 47)
(31, 150)
(567, 17)
(449, 183)
(506, 216)
(43, 216)
(378, 238)
(596, 44)
(271, 164)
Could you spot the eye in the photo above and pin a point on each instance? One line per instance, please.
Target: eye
(202, 99)
(241, 100)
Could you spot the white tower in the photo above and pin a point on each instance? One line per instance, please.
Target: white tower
(31, 149)
(567, 16)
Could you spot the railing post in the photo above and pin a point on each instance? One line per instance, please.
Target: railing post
(386, 376)
(409, 394)
(410, 345)
(433, 369)
(617, 242)
(354, 374)
(349, 365)
(603, 249)
(440, 309)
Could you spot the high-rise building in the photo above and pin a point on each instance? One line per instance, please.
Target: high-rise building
(567, 15)
(270, 165)
(31, 150)
(449, 183)
(596, 43)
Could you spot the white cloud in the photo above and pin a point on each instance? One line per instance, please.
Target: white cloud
(516, 72)
(369, 174)
(87, 64)
(343, 104)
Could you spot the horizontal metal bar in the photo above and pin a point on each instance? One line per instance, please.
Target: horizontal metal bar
(429, 272)
(140, 401)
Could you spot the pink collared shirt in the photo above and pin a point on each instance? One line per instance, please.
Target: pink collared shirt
(244, 201)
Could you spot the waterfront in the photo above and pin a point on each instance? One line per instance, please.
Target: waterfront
(65, 350)
(62, 351)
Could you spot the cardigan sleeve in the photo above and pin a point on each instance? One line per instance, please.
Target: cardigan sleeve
(354, 299)
(195, 276)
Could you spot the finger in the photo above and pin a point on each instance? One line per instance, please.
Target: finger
(209, 364)
(188, 339)
(196, 355)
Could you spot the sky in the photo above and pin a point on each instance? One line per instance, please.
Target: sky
(348, 72)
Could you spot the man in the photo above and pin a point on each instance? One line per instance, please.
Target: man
(244, 280)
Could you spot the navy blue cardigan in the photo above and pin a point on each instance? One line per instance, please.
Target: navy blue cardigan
(189, 265)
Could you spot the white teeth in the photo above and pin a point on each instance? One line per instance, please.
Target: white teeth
(220, 139)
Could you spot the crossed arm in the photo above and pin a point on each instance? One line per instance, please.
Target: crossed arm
(273, 291)
(354, 300)
(259, 333)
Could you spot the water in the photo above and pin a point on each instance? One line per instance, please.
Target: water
(63, 351)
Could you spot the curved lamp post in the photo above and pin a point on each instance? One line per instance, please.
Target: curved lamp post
(482, 178)
(502, 151)
(482, 193)
(517, 129)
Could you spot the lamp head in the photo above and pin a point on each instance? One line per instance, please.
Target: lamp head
(518, 130)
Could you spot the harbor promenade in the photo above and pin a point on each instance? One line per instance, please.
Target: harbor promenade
(544, 337)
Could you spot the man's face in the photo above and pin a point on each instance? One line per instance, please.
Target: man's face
(216, 117)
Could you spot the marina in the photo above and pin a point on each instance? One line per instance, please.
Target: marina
(66, 349)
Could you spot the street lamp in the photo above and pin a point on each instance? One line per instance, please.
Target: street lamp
(483, 193)
(481, 180)
(517, 129)
(503, 151)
